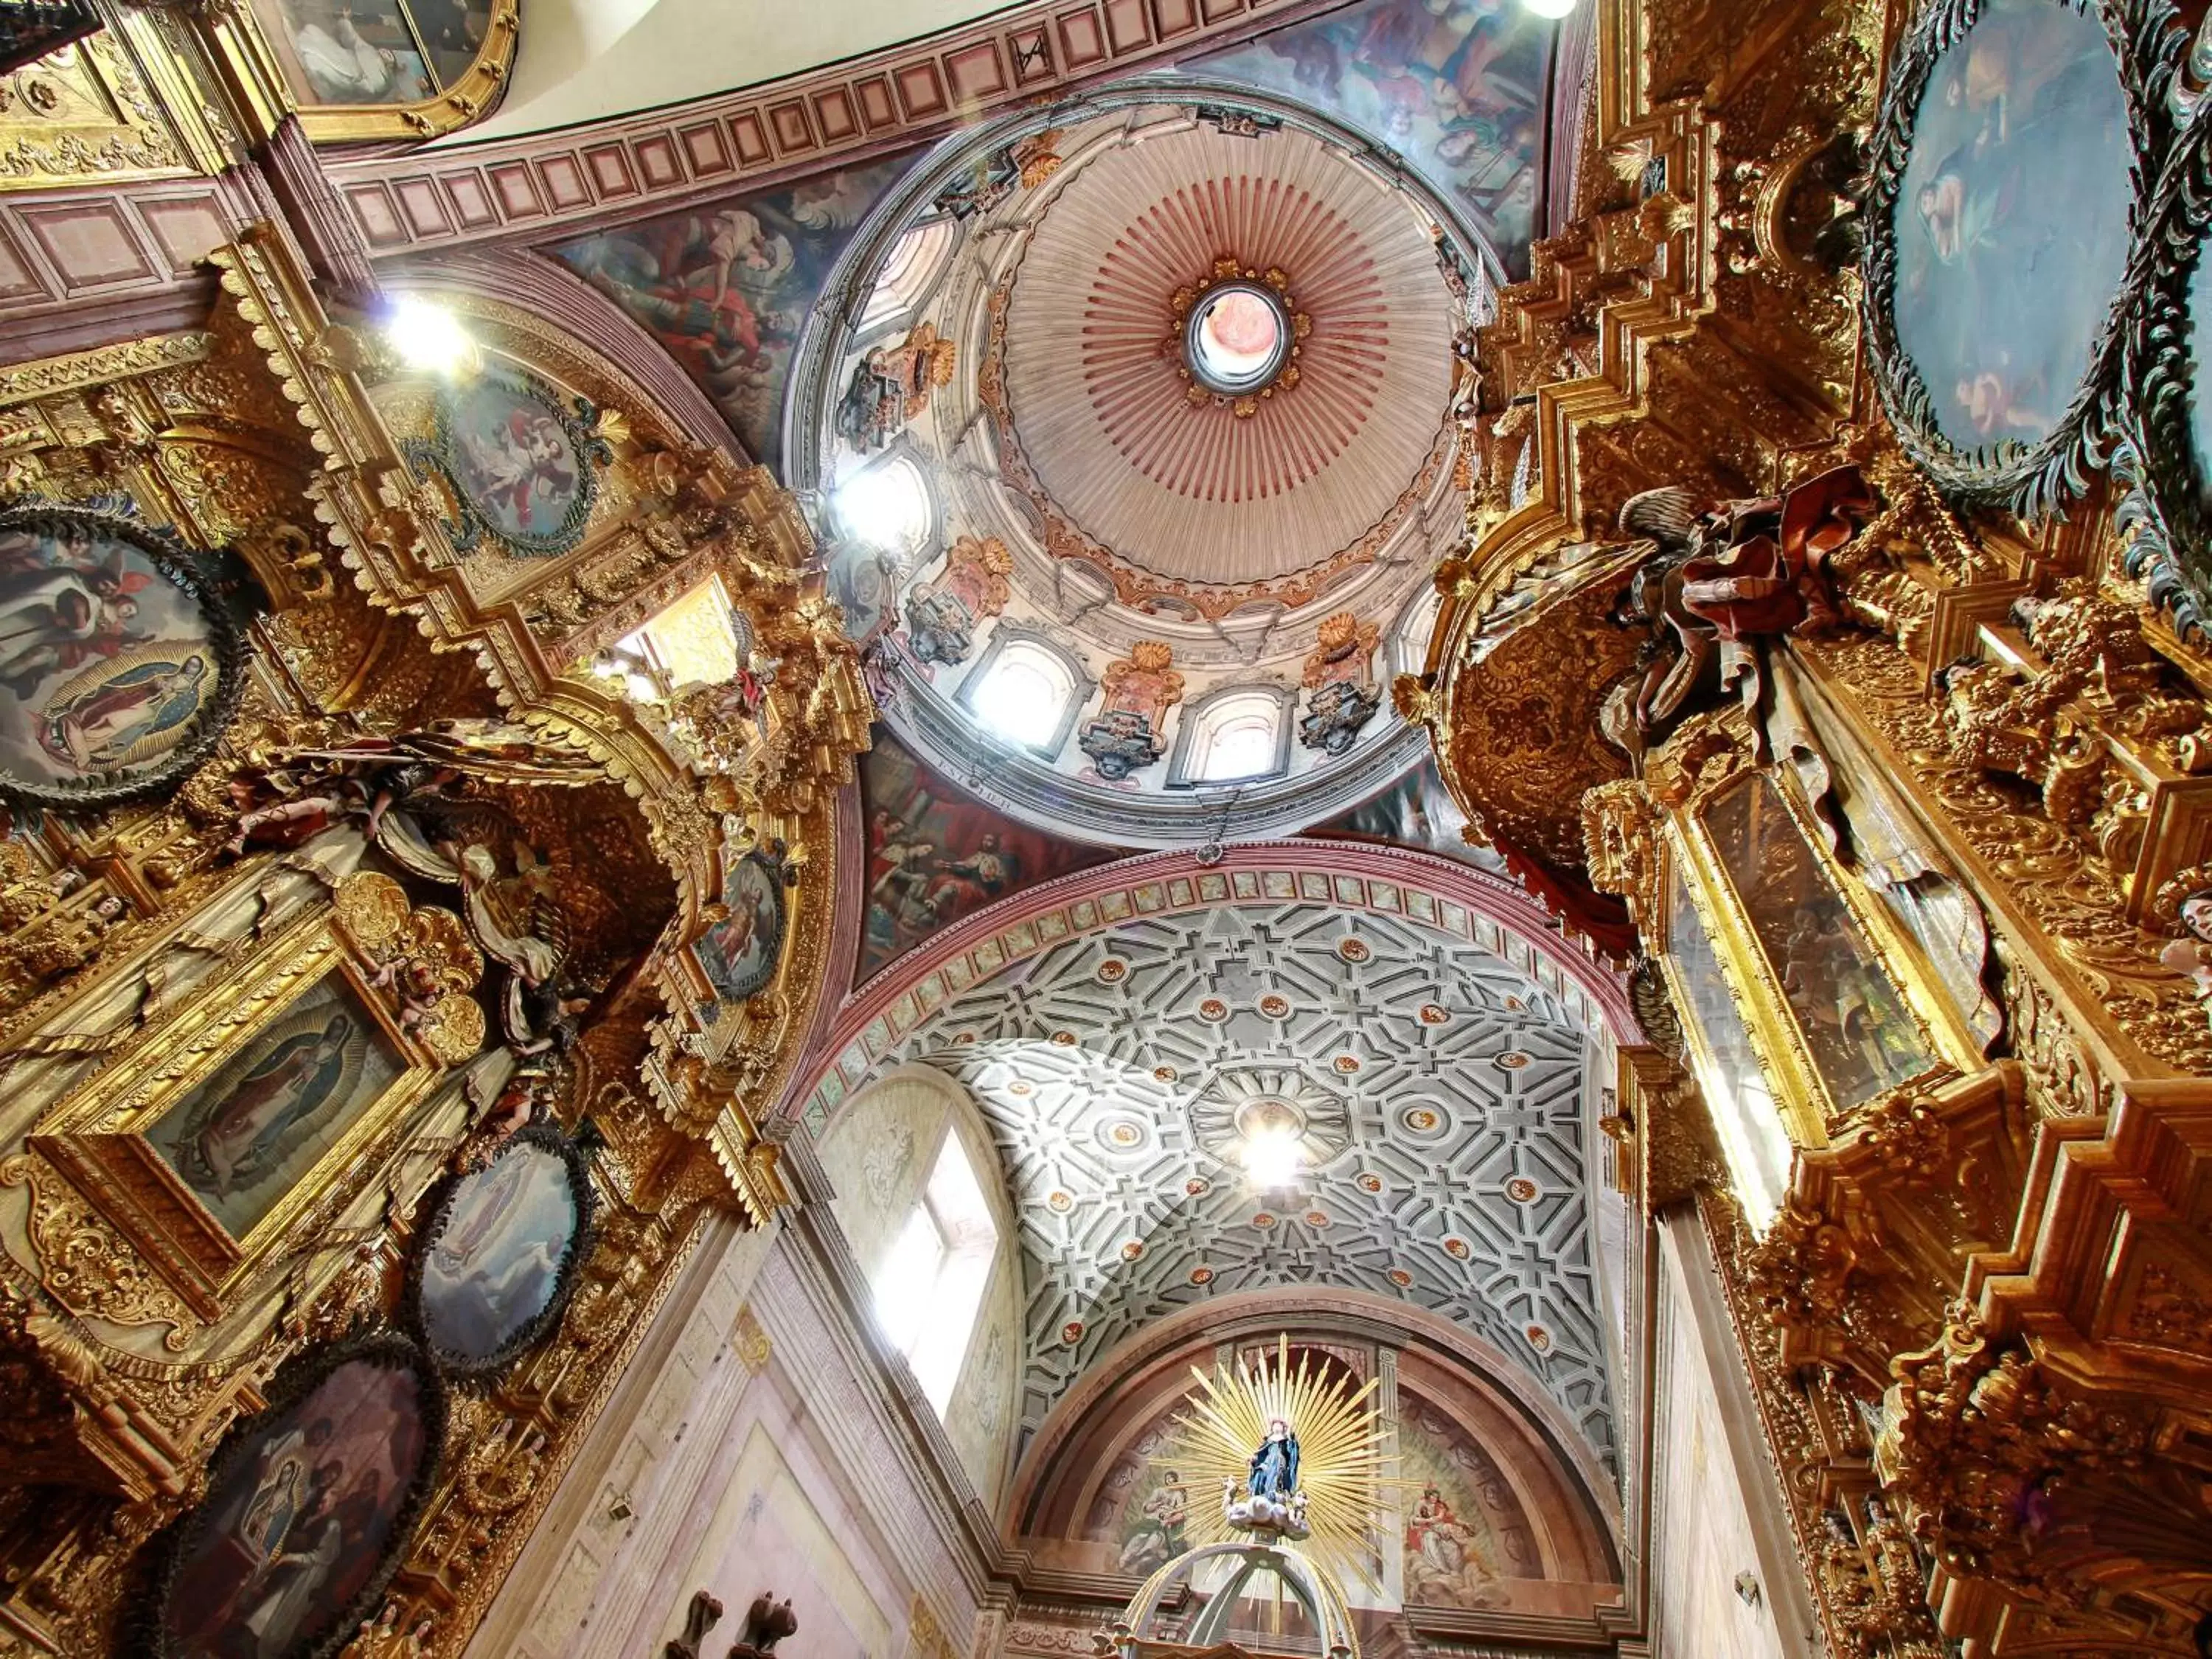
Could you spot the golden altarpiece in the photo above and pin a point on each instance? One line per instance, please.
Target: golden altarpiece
(1899, 839)
(563, 728)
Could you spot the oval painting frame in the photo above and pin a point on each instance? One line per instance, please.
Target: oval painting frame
(758, 914)
(119, 662)
(269, 1487)
(2168, 410)
(1956, 89)
(502, 435)
(485, 1217)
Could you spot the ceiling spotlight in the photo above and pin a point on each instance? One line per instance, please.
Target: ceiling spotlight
(428, 337)
(1272, 1158)
(1554, 8)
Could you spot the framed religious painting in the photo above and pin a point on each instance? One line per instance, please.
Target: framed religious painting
(738, 954)
(309, 1508)
(498, 1252)
(119, 664)
(367, 69)
(245, 1115)
(1780, 957)
(2169, 392)
(2002, 211)
(522, 459)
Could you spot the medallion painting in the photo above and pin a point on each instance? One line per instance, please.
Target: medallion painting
(521, 464)
(242, 1139)
(306, 1509)
(738, 953)
(1458, 87)
(730, 290)
(2010, 223)
(1860, 1037)
(117, 665)
(935, 856)
(498, 1252)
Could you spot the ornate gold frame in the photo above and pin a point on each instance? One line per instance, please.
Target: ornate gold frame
(237, 44)
(1717, 751)
(96, 1138)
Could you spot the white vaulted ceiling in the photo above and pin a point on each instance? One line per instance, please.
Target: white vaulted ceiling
(1442, 1092)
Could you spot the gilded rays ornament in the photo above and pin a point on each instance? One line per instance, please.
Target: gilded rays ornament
(1298, 1451)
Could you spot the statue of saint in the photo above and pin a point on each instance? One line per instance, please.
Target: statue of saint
(1275, 1465)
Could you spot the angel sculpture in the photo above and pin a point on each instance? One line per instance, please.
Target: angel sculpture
(1714, 586)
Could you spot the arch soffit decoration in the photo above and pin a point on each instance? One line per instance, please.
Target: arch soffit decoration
(1153, 1365)
(1488, 912)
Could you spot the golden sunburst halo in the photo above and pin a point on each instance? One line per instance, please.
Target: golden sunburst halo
(1339, 1426)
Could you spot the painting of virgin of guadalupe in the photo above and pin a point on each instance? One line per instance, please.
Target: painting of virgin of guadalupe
(2011, 221)
(307, 1508)
(738, 953)
(117, 664)
(516, 464)
(499, 1252)
(243, 1138)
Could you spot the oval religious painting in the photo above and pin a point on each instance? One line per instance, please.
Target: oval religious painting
(521, 466)
(499, 1252)
(738, 953)
(118, 666)
(308, 1508)
(1994, 263)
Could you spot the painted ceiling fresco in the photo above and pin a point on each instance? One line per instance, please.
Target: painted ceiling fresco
(728, 288)
(935, 855)
(1458, 87)
(1416, 812)
(1441, 1091)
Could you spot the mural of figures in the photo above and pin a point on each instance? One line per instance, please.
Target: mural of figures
(303, 1513)
(728, 288)
(738, 953)
(1456, 87)
(498, 1243)
(935, 856)
(2012, 220)
(1862, 1039)
(240, 1139)
(1154, 1532)
(1453, 1555)
(353, 52)
(110, 668)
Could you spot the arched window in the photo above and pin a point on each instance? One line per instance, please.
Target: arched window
(909, 273)
(887, 505)
(1234, 736)
(1024, 691)
(929, 1288)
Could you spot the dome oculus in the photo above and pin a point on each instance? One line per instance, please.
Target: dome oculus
(1237, 339)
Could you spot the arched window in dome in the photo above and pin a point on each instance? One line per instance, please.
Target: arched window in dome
(1240, 735)
(1025, 690)
(916, 259)
(886, 506)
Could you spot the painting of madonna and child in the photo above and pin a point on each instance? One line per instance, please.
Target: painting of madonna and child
(242, 1139)
(298, 1519)
(107, 667)
(2012, 220)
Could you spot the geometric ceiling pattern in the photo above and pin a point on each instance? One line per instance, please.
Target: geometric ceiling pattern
(1440, 1088)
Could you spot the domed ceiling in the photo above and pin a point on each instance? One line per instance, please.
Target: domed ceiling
(1135, 439)
(1212, 498)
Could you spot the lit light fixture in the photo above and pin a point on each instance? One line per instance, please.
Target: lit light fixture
(1273, 1152)
(428, 337)
(1553, 9)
